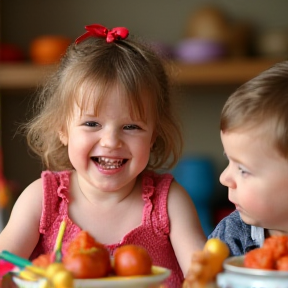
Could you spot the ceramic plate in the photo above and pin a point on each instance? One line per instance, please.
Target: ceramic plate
(159, 274)
(236, 265)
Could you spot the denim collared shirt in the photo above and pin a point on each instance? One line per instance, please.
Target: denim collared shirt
(239, 236)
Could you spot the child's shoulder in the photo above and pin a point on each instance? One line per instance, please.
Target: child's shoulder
(33, 187)
(159, 181)
(30, 197)
(232, 222)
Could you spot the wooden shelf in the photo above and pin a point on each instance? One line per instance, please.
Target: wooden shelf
(224, 72)
(23, 75)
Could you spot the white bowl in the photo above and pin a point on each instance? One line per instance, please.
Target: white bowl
(235, 275)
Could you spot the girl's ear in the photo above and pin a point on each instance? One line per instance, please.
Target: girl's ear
(63, 138)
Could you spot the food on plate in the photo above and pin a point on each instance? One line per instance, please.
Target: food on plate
(56, 275)
(218, 250)
(206, 264)
(59, 276)
(282, 263)
(273, 255)
(259, 258)
(132, 260)
(278, 245)
(63, 279)
(53, 268)
(86, 258)
(88, 263)
(43, 260)
(83, 241)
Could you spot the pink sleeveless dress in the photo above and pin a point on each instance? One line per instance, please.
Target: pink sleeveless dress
(153, 233)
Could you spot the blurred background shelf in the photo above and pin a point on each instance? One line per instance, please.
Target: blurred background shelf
(254, 34)
(23, 75)
(225, 72)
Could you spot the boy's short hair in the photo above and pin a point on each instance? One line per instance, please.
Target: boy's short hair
(261, 101)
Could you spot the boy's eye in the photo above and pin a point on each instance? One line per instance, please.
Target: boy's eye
(242, 171)
(131, 127)
(91, 124)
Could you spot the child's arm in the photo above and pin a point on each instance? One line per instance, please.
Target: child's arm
(186, 233)
(21, 234)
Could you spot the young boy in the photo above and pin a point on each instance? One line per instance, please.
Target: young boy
(254, 134)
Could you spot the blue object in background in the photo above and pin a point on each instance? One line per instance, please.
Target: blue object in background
(196, 174)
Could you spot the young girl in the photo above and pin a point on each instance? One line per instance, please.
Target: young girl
(254, 133)
(104, 124)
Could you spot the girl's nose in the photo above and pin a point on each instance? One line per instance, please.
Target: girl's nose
(111, 139)
(226, 179)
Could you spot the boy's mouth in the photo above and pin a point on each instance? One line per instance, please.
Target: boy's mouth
(109, 163)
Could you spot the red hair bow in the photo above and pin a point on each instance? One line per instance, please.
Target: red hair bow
(96, 30)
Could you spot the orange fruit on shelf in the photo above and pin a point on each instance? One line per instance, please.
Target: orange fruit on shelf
(48, 49)
(132, 260)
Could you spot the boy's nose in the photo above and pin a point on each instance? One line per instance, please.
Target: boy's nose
(226, 179)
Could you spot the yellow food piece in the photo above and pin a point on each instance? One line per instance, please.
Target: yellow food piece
(63, 279)
(219, 249)
(45, 284)
(28, 275)
(206, 264)
(32, 273)
(54, 268)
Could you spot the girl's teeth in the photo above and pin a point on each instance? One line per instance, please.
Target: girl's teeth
(108, 163)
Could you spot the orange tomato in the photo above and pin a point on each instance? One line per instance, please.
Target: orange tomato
(48, 49)
(132, 260)
(87, 258)
(83, 241)
(92, 263)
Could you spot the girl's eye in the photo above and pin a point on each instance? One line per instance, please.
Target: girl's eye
(131, 127)
(91, 124)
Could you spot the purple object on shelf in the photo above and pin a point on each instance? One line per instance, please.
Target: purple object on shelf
(199, 50)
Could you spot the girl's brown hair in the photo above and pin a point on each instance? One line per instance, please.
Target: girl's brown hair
(261, 101)
(95, 64)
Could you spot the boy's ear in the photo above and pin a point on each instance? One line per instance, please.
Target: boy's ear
(63, 138)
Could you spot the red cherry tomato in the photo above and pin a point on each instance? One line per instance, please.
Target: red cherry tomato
(132, 260)
(92, 263)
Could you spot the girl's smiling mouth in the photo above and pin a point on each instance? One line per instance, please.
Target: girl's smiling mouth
(109, 163)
